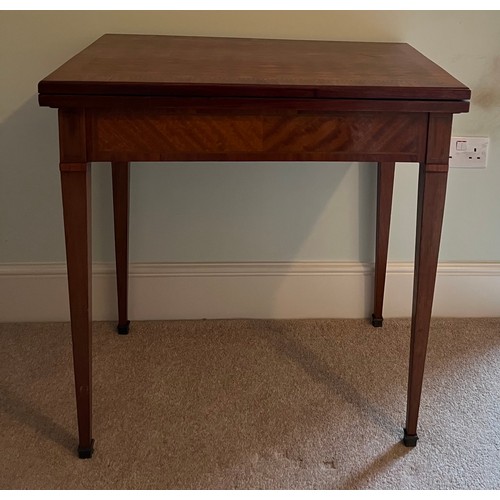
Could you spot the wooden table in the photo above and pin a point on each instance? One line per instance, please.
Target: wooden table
(164, 98)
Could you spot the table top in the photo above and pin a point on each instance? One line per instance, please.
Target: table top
(167, 66)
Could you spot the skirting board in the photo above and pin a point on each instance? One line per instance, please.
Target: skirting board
(38, 291)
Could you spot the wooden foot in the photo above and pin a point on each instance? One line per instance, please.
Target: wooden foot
(377, 322)
(410, 440)
(86, 452)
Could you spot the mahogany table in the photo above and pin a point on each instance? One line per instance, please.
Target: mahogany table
(166, 98)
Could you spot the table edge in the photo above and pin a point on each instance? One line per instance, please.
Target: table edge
(253, 104)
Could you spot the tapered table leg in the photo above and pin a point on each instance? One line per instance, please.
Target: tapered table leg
(121, 195)
(385, 185)
(75, 181)
(431, 199)
(433, 175)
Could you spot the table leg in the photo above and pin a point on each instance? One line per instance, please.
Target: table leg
(75, 182)
(121, 195)
(430, 209)
(385, 184)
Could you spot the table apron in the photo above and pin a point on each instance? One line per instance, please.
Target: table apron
(165, 135)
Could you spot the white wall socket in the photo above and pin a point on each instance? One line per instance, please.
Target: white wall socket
(469, 152)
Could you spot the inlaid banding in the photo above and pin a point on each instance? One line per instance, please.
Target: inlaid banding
(318, 136)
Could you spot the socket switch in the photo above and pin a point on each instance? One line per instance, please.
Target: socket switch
(469, 152)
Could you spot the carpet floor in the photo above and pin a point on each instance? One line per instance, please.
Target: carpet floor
(252, 404)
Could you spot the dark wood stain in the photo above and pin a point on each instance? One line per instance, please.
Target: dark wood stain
(151, 65)
(156, 135)
(154, 98)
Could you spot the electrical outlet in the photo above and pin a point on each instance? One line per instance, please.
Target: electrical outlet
(469, 152)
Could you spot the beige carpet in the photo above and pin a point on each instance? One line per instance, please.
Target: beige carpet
(251, 404)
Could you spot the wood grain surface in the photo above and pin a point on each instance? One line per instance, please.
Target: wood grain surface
(154, 135)
(154, 65)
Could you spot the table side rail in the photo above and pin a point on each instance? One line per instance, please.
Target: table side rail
(215, 135)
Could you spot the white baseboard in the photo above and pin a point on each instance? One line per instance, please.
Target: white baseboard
(38, 292)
